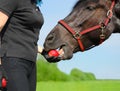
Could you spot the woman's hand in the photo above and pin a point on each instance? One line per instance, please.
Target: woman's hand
(51, 59)
(3, 77)
(40, 49)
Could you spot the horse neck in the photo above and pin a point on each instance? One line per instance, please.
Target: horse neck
(116, 22)
(116, 17)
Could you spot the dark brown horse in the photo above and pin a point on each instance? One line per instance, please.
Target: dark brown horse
(89, 24)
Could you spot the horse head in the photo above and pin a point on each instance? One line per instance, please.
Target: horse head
(89, 24)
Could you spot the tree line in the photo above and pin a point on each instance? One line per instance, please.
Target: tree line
(49, 72)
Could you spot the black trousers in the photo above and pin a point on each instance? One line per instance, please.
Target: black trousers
(21, 74)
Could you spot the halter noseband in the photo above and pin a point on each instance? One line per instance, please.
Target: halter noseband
(77, 35)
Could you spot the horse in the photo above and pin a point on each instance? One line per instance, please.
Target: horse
(88, 25)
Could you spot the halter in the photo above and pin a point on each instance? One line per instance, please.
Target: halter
(77, 35)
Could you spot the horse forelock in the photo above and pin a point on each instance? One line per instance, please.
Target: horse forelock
(84, 2)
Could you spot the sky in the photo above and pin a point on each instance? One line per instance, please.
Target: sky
(103, 61)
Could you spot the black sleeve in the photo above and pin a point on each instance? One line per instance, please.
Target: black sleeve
(8, 6)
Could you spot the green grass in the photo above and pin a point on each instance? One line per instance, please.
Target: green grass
(99, 85)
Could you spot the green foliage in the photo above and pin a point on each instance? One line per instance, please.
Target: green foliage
(90, 76)
(49, 72)
(79, 75)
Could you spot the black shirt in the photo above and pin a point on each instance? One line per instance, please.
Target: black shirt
(21, 32)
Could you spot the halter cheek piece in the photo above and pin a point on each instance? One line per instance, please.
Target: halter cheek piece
(77, 35)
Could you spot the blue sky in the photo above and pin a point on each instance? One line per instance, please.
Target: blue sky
(103, 60)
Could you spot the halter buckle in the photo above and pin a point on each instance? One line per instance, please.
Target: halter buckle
(102, 36)
(77, 35)
(109, 14)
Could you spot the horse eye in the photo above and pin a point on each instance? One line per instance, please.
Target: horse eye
(90, 8)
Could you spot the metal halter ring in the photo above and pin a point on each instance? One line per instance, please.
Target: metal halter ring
(109, 14)
(77, 35)
(102, 25)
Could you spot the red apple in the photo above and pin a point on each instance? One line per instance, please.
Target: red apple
(4, 83)
(53, 53)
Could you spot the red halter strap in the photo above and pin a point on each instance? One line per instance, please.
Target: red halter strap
(77, 35)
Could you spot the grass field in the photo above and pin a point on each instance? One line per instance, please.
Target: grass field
(99, 85)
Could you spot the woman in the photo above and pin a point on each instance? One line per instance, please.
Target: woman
(20, 22)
